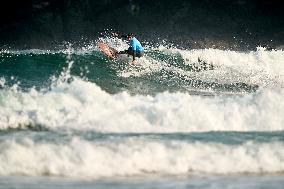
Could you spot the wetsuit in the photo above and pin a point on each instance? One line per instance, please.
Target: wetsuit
(135, 49)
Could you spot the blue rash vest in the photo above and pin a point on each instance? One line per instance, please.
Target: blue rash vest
(136, 45)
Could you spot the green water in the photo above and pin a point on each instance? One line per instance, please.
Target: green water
(36, 70)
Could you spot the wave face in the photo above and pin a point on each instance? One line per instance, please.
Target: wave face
(75, 113)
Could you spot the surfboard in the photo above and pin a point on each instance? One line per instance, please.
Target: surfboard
(108, 51)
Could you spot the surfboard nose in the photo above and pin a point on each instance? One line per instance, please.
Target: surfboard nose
(108, 51)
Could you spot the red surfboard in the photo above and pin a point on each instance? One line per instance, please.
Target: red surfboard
(110, 52)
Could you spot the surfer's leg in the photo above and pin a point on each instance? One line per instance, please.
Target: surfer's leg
(130, 51)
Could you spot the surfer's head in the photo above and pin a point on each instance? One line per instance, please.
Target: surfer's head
(129, 36)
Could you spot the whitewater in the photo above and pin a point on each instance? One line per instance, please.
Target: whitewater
(186, 117)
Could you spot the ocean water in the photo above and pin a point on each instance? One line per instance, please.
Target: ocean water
(203, 118)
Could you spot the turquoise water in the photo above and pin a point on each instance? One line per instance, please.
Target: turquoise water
(203, 118)
(93, 66)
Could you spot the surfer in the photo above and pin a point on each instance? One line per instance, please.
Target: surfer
(135, 49)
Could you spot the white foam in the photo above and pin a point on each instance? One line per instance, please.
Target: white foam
(145, 65)
(2, 82)
(136, 156)
(261, 67)
(29, 51)
(83, 105)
